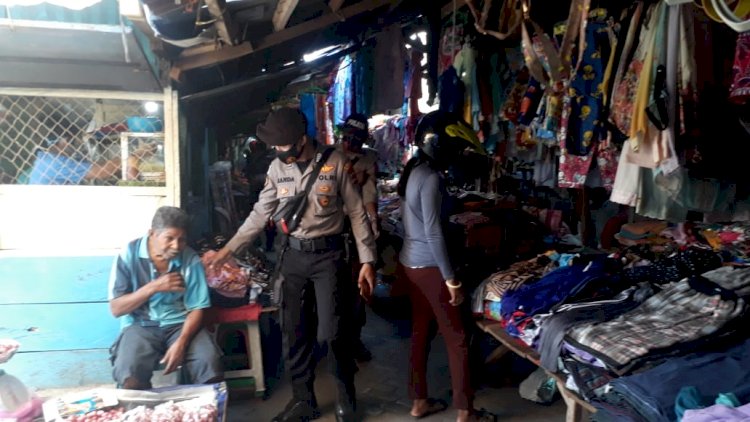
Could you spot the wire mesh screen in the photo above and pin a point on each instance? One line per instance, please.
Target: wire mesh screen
(81, 141)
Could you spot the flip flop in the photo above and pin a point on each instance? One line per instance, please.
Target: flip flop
(482, 415)
(433, 406)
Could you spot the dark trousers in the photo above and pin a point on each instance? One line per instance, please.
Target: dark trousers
(317, 308)
(360, 314)
(430, 302)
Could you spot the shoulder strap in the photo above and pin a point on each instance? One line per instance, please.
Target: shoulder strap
(320, 160)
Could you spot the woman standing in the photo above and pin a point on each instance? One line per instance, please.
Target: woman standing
(434, 292)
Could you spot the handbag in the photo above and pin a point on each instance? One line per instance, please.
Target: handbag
(287, 218)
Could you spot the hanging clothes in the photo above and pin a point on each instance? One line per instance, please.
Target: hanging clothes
(341, 93)
(466, 67)
(390, 62)
(626, 86)
(321, 118)
(451, 91)
(414, 83)
(581, 127)
(363, 80)
(307, 107)
(740, 90)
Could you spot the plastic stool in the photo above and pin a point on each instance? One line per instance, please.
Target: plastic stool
(248, 315)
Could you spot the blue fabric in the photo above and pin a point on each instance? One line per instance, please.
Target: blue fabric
(51, 169)
(363, 80)
(654, 392)
(451, 91)
(133, 269)
(342, 91)
(554, 288)
(584, 124)
(307, 107)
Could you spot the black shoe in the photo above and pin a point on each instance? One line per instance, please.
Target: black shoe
(361, 354)
(298, 411)
(345, 414)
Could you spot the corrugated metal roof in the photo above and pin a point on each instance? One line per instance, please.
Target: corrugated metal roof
(106, 12)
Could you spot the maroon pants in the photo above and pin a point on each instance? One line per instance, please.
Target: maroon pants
(429, 300)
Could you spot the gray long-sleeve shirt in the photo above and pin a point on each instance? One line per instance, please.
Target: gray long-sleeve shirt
(424, 243)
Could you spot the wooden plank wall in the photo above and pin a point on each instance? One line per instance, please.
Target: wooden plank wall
(56, 307)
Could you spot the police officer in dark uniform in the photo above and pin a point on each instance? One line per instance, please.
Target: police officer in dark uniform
(317, 283)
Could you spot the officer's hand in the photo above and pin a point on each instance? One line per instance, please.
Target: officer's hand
(375, 228)
(172, 360)
(457, 295)
(366, 281)
(214, 260)
(169, 283)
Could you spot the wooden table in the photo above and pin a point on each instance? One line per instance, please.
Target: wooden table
(577, 408)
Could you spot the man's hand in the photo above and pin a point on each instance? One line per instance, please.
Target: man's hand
(457, 294)
(366, 281)
(172, 360)
(214, 260)
(169, 283)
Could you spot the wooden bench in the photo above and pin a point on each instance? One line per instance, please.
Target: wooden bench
(577, 408)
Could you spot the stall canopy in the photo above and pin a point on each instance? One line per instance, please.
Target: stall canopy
(73, 45)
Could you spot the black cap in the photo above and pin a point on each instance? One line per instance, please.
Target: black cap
(284, 126)
(356, 124)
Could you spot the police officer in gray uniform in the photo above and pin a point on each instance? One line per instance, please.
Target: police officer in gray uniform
(317, 282)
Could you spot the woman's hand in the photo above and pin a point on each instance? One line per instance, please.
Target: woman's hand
(456, 291)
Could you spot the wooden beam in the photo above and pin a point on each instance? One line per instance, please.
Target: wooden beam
(196, 59)
(276, 38)
(284, 9)
(224, 26)
(335, 5)
(319, 23)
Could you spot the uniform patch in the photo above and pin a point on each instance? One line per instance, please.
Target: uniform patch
(324, 201)
(327, 168)
(325, 188)
(284, 191)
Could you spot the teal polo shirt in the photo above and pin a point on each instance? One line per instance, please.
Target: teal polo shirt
(133, 269)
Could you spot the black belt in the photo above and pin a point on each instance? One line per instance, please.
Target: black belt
(318, 244)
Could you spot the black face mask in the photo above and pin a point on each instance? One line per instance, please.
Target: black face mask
(289, 156)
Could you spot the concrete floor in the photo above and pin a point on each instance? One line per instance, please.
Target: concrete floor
(381, 384)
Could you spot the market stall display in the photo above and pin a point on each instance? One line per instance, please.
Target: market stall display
(189, 403)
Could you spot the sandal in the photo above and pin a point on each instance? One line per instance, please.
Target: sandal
(484, 416)
(433, 406)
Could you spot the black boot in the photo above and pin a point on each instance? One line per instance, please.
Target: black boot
(299, 411)
(361, 353)
(345, 413)
(346, 404)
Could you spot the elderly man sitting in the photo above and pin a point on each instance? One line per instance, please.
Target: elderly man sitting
(158, 290)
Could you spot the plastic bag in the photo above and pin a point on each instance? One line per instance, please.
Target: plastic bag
(17, 403)
(539, 387)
